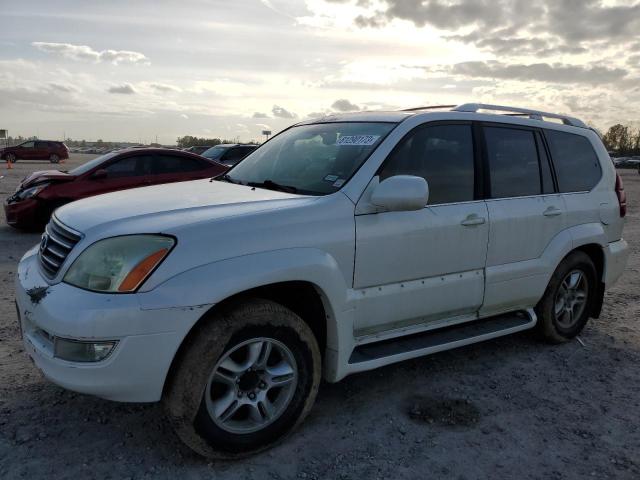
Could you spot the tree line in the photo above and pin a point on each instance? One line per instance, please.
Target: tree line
(622, 140)
(190, 141)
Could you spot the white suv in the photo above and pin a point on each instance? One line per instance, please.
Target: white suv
(343, 244)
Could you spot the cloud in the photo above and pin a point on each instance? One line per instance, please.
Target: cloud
(125, 89)
(542, 72)
(185, 116)
(282, 113)
(344, 105)
(263, 126)
(517, 26)
(260, 115)
(62, 88)
(164, 88)
(86, 53)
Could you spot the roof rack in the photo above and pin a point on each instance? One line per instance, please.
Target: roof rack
(514, 111)
(430, 107)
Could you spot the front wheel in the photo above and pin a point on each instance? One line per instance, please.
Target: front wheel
(245, 379)
(10, 157)
(568, 301)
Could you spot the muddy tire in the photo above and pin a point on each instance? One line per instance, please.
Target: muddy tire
(569, 299)
(244, 380)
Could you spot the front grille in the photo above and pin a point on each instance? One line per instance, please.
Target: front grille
(57, 242)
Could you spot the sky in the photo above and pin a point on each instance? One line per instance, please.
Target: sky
(131, 71)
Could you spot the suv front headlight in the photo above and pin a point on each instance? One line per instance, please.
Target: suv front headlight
(119, 264)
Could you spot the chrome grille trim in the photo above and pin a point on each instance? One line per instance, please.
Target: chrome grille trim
(57, 242)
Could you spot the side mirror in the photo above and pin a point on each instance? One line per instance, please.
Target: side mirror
(401, 193)
(99, 174)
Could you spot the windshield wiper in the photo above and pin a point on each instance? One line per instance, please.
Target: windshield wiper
(271, 185)
(224, 178)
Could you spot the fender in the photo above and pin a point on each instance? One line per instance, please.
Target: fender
(211, 283)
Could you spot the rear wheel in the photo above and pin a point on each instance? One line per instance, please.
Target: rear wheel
(53, 158)
(568, 301)
(247, 377)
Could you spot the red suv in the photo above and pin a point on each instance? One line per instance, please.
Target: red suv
(36, 150)
(39, 194)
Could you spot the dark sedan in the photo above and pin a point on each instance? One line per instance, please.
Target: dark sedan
(39, 194)
(229, 153)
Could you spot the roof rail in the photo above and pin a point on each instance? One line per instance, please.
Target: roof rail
(514, 111)
(430, 107)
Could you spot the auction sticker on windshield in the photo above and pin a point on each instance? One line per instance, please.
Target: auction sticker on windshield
(357, 140)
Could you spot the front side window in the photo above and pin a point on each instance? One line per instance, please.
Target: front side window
(443, 156)
(575, 161)
(129, 166)
(513, 162)
(316, 159)
(27, 144)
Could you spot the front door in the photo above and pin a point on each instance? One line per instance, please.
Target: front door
(423, 266)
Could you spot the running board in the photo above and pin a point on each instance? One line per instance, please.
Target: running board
(432, 341)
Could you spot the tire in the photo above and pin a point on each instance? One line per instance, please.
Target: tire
(569, 299)
(53, 158)
(10, 157)
(199, 403)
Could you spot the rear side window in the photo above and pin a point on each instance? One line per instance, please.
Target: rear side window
(513, 162)
(163, 164)
(575, 161)
(443, 156)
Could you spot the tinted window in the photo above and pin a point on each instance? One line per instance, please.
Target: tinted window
(442, 155)
(513, 162)
(27, 145)
(163, 164)
(234, 154)
(575, 160)
(42, 145)
(128, 167)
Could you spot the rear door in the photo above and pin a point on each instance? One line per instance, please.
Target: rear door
(525, 212)
(41, 151)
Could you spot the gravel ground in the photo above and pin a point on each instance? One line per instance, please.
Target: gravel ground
(508, 408)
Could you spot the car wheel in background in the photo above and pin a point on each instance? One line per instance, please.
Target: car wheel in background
(243, 380)
(567, 303)
(10, 157)
(53, 158)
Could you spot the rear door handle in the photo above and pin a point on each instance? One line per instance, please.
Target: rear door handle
(472, 220)
(552, 212)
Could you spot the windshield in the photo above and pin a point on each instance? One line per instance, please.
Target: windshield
(315, 159)
(85, 167)
(214, 152)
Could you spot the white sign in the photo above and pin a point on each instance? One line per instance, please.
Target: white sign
(358, 140)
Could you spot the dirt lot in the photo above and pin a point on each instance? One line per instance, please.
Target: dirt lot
(509, 408)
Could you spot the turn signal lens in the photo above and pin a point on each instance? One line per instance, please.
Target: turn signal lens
(140, 272)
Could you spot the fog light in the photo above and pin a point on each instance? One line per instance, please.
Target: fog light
(79, 351)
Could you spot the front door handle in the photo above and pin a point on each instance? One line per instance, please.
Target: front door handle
(472, 220)
(552, 212)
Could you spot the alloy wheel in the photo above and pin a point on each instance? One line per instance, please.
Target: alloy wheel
(571, 299)
(251, 385)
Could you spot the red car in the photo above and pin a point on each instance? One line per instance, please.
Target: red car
(36, 150)
(39, 194)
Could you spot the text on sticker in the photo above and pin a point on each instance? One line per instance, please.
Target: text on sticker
(357, 140)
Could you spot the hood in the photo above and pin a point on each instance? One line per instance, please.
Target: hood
(45, 176)
(168, 207)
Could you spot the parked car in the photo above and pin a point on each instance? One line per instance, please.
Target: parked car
(229, 153)
(36, 150)
(343, 244)
(198, 149)
(40, 193)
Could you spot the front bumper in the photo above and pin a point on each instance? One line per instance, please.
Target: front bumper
(23, 214)
(136, 369)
